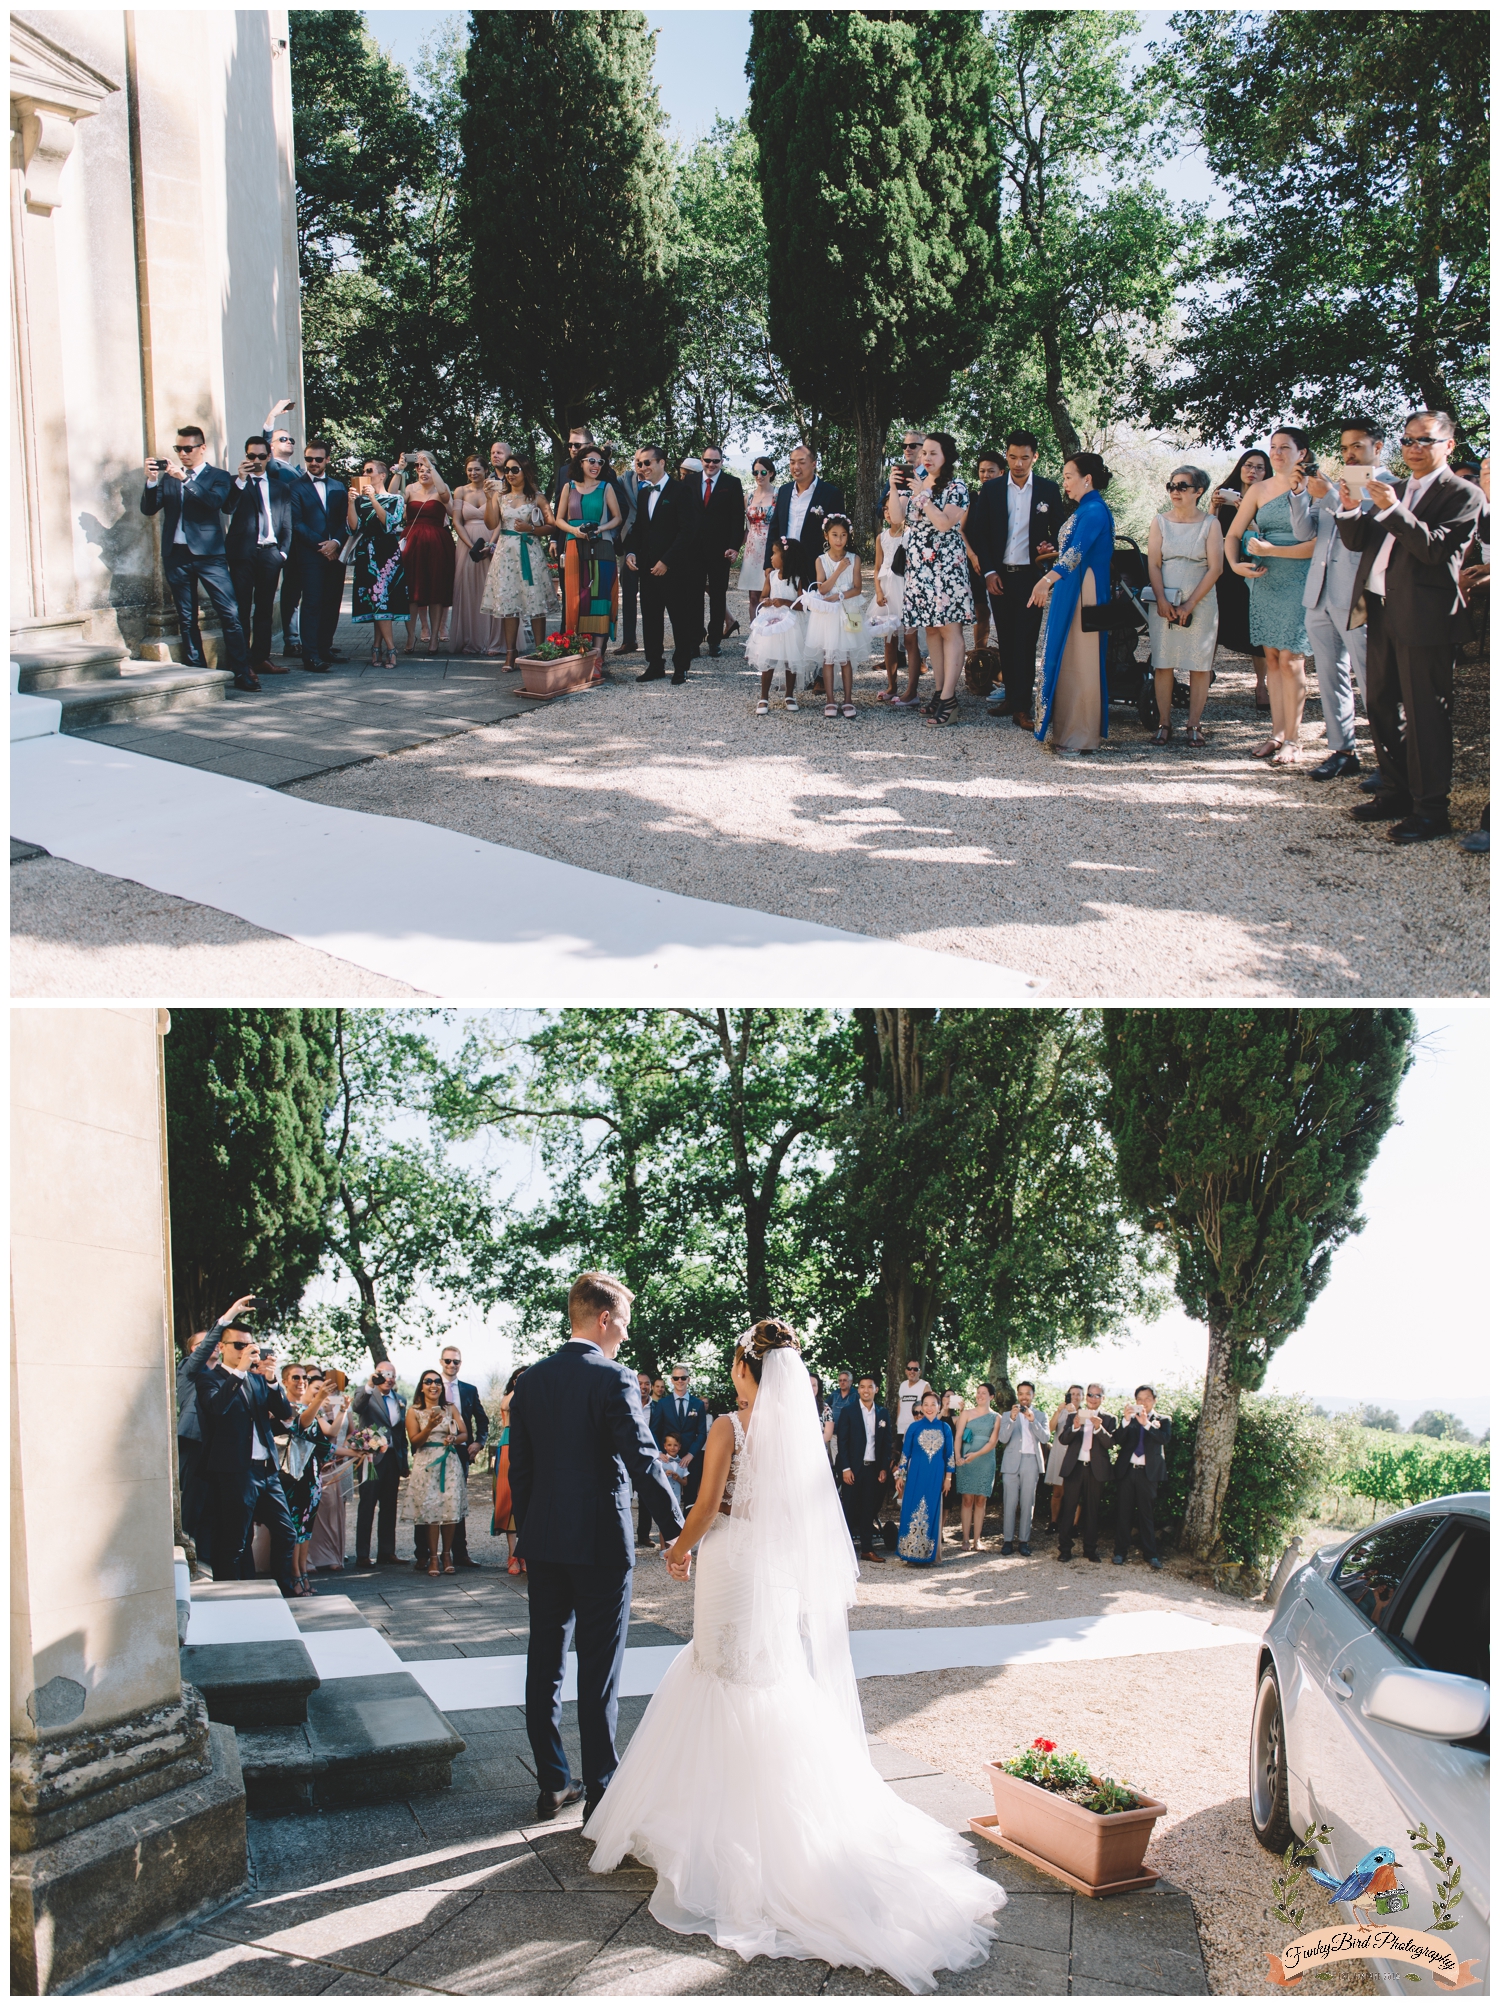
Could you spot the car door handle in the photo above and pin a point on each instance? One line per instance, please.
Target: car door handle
(1337, 1686)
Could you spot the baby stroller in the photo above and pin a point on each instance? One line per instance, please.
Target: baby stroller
(1129, 680)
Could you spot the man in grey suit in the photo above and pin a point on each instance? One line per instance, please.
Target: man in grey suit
(1338, 648)
(1024, 1441)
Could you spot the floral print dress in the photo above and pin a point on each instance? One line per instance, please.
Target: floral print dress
(926, 1460)
(379, 564)
(938, 591)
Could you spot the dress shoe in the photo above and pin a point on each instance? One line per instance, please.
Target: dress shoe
(1387, 806)
(1006, 1549)
(871, 1554)
(591, 1804)
(1420, 829)
(270, 669)
(463, 1560)
(1065, 1556)
(1336, 766)
(387, 1560)
(247, 679)
(679, 675)
(1154, 1562)
(317, 668)
(652, 676)
(1095, 1557)
(1027, 1551)
(360, 1566)
(1023, 719)
(550, 1802)
(192, 661)
(627, 647)
(713, 654)
(1375, 783)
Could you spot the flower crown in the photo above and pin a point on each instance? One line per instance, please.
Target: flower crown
(830, 519)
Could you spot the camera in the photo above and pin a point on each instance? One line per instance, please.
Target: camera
(161, 465)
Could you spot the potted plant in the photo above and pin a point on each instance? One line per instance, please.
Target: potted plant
(1053, 1810)
(562, 663)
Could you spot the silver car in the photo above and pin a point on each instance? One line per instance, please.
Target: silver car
(1372, 1714)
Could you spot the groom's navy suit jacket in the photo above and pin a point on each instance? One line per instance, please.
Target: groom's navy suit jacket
(578, 1439)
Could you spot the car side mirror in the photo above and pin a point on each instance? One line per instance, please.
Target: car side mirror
(1436, 1704)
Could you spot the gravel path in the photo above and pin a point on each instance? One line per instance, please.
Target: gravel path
(1178, 1726)
(75, 932)
(1136, 871)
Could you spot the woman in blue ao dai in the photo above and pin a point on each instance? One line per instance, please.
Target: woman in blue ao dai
(924, 1476)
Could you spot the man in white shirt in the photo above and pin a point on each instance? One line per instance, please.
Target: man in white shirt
(861, 1463)
(258, 541)
(802, 506)
(909, 1397)
(1406, 588)
(191, 497)
(379, 1405)
(1013, 526)
(1024, 1439)
(1087, 1438)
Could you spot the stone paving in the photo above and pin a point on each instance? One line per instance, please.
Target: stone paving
(461, 1891)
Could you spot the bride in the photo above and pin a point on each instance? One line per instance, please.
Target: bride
(748, 1786)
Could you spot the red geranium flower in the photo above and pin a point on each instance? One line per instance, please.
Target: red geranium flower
(1047, 1747)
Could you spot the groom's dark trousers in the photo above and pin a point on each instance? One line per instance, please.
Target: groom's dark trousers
(578, 1440)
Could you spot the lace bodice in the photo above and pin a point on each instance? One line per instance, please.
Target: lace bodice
(726, 1503)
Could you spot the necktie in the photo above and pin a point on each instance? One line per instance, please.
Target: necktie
(268, 528)
(708, 486)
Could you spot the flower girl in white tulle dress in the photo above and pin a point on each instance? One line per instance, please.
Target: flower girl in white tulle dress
(775, 641)
(835, 618)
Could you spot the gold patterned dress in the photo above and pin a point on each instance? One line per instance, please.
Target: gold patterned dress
(926, 1461)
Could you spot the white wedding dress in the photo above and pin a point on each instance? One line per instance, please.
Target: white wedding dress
(748, 1786)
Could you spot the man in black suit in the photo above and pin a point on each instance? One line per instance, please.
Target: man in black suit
(1139, 1468)
(258, 542)
(1086, 1437)
(662, 553)
(578, 1439)
(191, 498)
(463, 1395)
(802, 506)
(1013, 528)
(1406, 589)
(681, 1413)
(315, 574)
(238, 1410)
(861, 1463)
(378, 1405)
(721, 535)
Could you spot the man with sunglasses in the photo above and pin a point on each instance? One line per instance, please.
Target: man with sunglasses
(258, 541)
(1406, 590)
(721, 536)
(238, 1412)
(378, 1405)
(681, 1413)
(191, 498)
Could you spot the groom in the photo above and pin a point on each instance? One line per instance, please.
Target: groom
(578, 1439)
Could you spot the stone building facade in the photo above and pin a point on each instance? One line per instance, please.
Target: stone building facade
(153, 283)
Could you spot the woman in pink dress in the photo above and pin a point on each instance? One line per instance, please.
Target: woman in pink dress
(473, 631)
(428, 551)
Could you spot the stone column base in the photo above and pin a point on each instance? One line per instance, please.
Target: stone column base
(146, 1869)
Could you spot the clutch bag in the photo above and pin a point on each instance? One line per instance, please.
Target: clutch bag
(1113, 617)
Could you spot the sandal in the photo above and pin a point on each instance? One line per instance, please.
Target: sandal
(1163, 735)
(449, 1568)
(885, 696)
(761, 708)
(792, 704)
(513, 1566)
(1265, 750)
(942, 711)
(1196, 735)
(830, 710)
(1286, 754)
(849, 710)
(432, 1567)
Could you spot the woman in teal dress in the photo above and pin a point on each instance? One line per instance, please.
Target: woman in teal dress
(1262, 547)
(924, 1476)
(976, 1467)
(588, 512)
(308, 1448)
(378, 518)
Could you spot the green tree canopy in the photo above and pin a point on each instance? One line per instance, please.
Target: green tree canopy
(1244, 1136)
(1384, 1418)
(566, 202)
(249, 1175)
(1356, 147)
(878, 178)
(1442, 1427)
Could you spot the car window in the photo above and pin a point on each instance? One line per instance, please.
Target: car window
(1444, 1621)
(1371, 1571)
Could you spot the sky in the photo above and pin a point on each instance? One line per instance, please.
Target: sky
(1404, 1319)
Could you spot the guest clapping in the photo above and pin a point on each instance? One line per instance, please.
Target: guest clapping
(438, 1488)
(377, 515)
(1025, 1439)
(1328, 596)
(1144, 1437)
(1185, 555)
(975, 1475)
(1074, 712)
(1263, 547)
(1087, 1438)
(474, 632)
(1233, 592)
(518, 587)
(759, 503)
(429, 554)
(938, 594)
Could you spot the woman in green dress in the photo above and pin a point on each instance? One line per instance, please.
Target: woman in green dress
(589, 515)
(1263, 547)
(377, 515)
(975, 1479)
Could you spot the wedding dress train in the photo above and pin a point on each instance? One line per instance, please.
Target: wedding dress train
(748, 1786)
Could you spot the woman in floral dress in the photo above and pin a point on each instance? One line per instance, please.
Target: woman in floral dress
(938, 593)
(309, 1446)
(758, 506)
(519, 586)
(377, 515)
(923, 1479)
(437, 1491)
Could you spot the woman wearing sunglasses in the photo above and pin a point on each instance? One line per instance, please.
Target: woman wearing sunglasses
(519, 587)
(1185, 555)
(437, 1490)
(588, 514)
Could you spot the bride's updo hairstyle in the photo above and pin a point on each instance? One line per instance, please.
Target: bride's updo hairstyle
(770, 1334)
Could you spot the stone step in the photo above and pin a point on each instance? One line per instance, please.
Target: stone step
(139, 693)
(246, 1656)
(64, 665)
(371, 1735)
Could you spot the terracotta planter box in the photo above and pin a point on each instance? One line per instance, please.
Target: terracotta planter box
(555, 678)
(1100, 1849)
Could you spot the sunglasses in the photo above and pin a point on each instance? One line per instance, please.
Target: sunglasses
(259, 458)
(511, 467)
(1422, 441)
(1182, 488)
(713, 463)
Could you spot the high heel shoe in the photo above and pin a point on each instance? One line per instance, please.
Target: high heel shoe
(732, 628)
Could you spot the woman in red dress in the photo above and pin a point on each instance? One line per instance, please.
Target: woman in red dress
(429, 554)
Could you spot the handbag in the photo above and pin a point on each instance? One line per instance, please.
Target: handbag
(478, 552)
(898, 563)
(1115, 616)
(346, 555)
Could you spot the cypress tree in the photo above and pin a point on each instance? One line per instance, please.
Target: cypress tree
(566, 197)
(1244, 1136)
(879, 180)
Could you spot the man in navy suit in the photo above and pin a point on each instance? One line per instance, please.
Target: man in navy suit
(802, 507)
(681, 1413)
(464, 1395)
(191, 498)
(578, 1439)
(1139, 1468)
(316, 576)
(1086, 1436)
(661, 551)
(861, 1463)
(1013, 528)
(237, 1410)
(258, 541)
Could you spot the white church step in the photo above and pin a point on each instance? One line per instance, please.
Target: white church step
(140, 692)
(64, 664)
